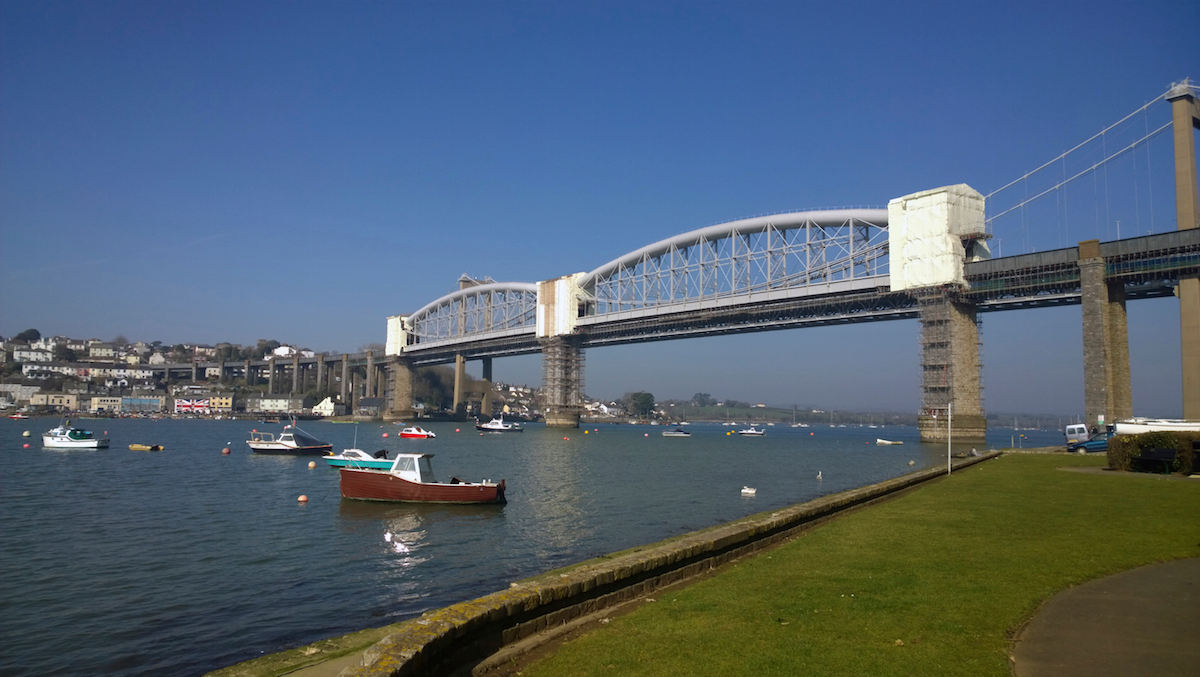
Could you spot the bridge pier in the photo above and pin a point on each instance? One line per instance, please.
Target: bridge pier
(950, 382)
(1107, 396)
(399, 389)
(460, 377)
(485, 402)
(1185, 119)
(562, 380)
(320, 375)
(271, 376)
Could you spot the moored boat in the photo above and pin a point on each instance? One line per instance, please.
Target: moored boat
(752, 432)
(146, 447)
(410, 480)
(357, 458)
(292, 440)
(498, 425)
(66, 437)
(881, 441)
(1137, 426)
(676, 432)
(416, 432)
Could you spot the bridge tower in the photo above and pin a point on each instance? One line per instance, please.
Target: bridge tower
(398, 388)
(931, 235)
(562, 350)
(1185, 118)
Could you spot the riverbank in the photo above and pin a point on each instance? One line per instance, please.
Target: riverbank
(998, 511)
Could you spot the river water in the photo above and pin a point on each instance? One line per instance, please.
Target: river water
(187, 560)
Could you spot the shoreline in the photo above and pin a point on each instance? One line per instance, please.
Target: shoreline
(487, 629)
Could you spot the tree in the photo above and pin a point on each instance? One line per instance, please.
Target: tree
(703, 400)
(29, 335)
(64, 354)
(639, 403)
(120, 340)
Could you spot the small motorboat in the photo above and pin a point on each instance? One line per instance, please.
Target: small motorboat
(498, 425)
(66, 437)
(292, 440)
(416, 432)
(752, 431)
(410, 480)
(676, 432)
(357, 458)
(749, 491)
(146, 447)
(18, 416)
(881, 441)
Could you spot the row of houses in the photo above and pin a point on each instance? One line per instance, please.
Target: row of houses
(187, 401)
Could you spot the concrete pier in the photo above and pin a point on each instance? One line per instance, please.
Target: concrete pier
(562, 380)
(1185, 119)
(1107, 396)
(950, 382)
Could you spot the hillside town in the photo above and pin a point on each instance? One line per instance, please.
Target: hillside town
(58, 374)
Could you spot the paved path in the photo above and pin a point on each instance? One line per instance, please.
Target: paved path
(1140, 622)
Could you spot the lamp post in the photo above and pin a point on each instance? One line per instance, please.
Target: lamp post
(949, 432)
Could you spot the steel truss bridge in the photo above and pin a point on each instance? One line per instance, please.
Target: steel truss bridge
(783, 271)
(658, 292)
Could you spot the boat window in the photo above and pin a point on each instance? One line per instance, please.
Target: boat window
(426, 470)
(404, 464)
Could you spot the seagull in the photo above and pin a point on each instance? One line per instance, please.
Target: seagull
(819, 475)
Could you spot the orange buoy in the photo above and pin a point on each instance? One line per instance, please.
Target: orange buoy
(645, 434)
(385, 435)
(312, 464)
(303, 498)
(25, 446)
(567, 438)
(225, 451)
(456, 430)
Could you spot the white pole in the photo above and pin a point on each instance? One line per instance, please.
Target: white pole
(949, 429)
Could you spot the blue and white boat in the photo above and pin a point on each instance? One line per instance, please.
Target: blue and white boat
(357, 458)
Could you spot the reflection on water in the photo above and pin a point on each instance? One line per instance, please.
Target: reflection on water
(190, 560)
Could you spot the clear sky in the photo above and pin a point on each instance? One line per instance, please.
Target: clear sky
(230, 171)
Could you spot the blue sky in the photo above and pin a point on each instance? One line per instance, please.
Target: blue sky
(229, 171)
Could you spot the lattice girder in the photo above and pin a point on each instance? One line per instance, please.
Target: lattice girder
(773, 253)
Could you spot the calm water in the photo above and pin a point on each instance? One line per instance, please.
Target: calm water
(187, 560)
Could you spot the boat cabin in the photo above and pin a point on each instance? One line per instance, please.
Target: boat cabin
(414, 468)
(256, 436)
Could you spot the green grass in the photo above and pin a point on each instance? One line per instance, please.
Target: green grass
(935, 581)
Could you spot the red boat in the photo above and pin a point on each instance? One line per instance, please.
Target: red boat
(416, 432)
(411, 480)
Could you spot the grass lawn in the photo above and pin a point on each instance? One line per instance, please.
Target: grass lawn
(933, 582)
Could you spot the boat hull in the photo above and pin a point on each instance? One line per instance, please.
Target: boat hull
(373, 485)
(269, 448)
(1138, 426)
(375, 464)
(59, 443)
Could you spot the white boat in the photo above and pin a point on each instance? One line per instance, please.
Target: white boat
(1137, 426)
(292, 440)
(66, 437)
(881, 441)
(498, 425)
(752, 431)
(676, 432)
(357, 458)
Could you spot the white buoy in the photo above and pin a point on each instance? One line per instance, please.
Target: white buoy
(749, 491)
(312, 464)
(25, 434)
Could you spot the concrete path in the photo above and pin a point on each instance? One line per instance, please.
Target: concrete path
(1140, 622)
